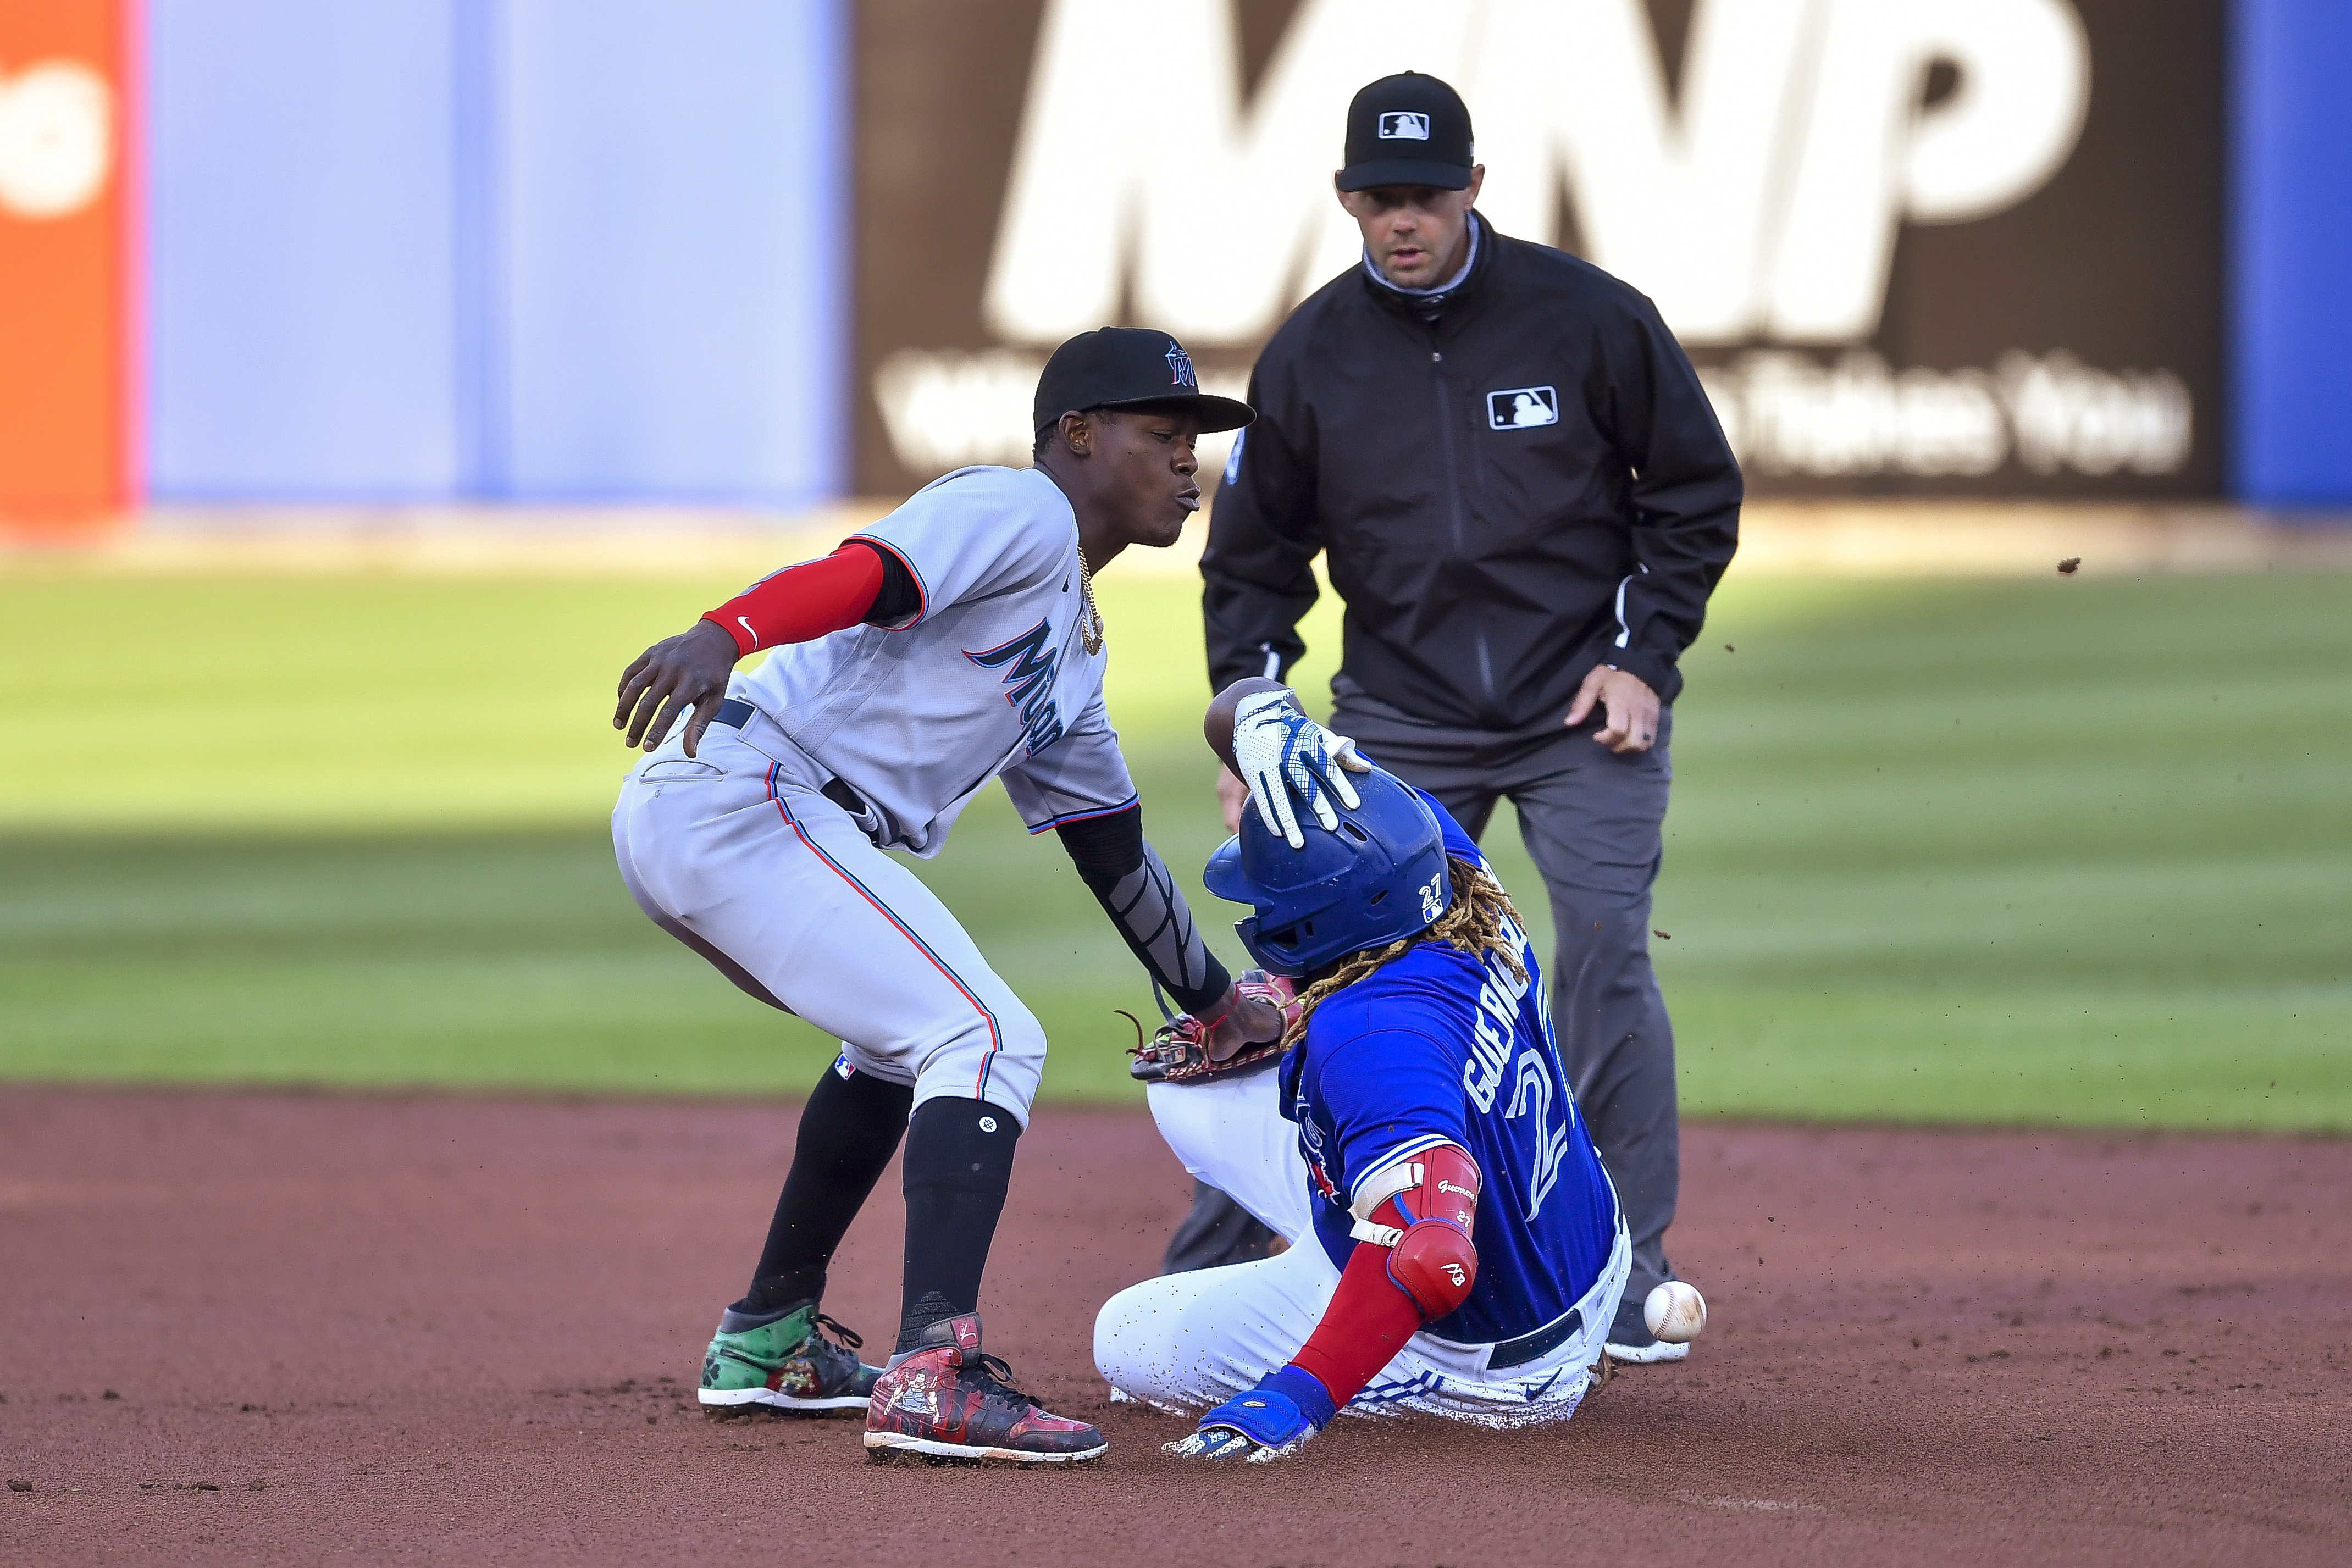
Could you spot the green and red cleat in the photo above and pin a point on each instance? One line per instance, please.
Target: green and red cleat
(947, 1402)
(788, 1367)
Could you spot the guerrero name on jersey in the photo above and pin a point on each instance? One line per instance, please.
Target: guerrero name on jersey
(990, 676)
(1437, 1047)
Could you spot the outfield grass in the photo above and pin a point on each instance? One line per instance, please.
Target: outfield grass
(2066, 852)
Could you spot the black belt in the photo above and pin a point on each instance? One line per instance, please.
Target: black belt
(1533, 1346)
(735, 712)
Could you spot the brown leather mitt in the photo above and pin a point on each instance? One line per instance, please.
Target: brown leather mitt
(1179, 1051)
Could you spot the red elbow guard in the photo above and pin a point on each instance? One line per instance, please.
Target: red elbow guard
(1435, 1261)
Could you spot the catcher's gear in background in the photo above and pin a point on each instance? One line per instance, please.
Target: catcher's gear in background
(1378, 875)
(1281, 752)
(1177, 1051)
(1275, 1419)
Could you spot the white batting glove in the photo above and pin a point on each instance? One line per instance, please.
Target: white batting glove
(1281, 753)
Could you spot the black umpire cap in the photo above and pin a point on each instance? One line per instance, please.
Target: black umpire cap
(1129, 367)
(1408, 129)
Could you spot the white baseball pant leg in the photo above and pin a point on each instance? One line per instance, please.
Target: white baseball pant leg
(1182, 1343)
(741, 858)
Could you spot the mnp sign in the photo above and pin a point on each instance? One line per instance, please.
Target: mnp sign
(1915, 246)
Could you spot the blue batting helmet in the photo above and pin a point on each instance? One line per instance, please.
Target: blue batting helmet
(1380, 876)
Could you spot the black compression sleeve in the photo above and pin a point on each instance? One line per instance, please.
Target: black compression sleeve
(1135, 889)
(900, 596)
(849, 1130)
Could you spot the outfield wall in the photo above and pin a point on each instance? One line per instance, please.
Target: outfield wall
(769, 253)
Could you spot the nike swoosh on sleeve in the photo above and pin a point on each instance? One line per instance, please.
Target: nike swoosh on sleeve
(749, 627)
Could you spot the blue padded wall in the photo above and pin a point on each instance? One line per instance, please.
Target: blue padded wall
(538, 250)
(299, 275)
(2291, 254)
(674, 250)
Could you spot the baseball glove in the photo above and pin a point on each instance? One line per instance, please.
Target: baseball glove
(1178, 1050)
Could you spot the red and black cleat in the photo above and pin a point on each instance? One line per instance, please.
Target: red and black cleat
(949, 1403)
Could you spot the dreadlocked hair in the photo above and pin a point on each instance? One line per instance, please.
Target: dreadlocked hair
(1473, 923)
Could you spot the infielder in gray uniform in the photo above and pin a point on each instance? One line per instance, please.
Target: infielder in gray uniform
(1524, 498)
(954, 642)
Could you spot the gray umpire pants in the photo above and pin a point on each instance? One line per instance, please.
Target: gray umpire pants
(1592, 822)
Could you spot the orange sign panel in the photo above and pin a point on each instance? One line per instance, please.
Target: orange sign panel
(65, 214)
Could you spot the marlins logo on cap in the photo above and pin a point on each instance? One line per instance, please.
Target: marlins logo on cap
(1120, 367)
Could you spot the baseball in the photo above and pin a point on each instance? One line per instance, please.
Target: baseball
(1675, 1312)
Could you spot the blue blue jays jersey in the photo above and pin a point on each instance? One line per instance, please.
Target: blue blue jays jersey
(1437, 1047)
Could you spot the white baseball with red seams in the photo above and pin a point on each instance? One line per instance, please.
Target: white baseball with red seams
(1675, 1312)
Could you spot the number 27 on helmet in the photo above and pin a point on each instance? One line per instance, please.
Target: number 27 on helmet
(1380, 876)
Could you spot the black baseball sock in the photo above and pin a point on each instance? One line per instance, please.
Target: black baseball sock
(959, 1161)
(848, 1132)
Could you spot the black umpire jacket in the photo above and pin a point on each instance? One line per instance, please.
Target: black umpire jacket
(1527, 485)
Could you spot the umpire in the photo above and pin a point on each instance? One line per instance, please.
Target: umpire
(1524, 500)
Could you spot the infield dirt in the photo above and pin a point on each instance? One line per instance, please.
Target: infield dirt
(279, 1328)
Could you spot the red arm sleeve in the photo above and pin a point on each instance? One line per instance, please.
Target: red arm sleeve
(1366, 1324)
(805, 601)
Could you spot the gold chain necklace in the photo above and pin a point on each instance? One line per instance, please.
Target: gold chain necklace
(1090, 629)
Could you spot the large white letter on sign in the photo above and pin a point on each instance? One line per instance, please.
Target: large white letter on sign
(1135, 147)
(1767, 206)
(1677, 207)
(1869, 155)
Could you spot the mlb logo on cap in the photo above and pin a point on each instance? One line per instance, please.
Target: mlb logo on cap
(1408, 129)
(1518, 408)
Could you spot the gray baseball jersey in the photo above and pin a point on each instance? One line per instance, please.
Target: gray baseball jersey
(989, 678)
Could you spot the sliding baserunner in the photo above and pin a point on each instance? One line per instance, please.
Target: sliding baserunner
(954, 641)
(1457, 1247)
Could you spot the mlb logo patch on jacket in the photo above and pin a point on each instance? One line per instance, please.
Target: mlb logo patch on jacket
(1517, 408)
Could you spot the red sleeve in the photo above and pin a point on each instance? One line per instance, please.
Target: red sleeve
(805, 601)
(1366, 1324)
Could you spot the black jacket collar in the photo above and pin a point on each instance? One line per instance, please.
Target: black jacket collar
(1429, 308)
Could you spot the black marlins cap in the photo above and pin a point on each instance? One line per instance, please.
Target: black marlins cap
(1124, 367)
(1408, 129)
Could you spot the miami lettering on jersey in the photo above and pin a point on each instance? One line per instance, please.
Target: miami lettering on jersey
(1029, 683)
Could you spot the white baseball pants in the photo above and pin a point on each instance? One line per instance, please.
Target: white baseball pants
(739, 855)
(1183, 1342)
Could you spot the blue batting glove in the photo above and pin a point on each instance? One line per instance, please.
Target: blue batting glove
(1272, 1421)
